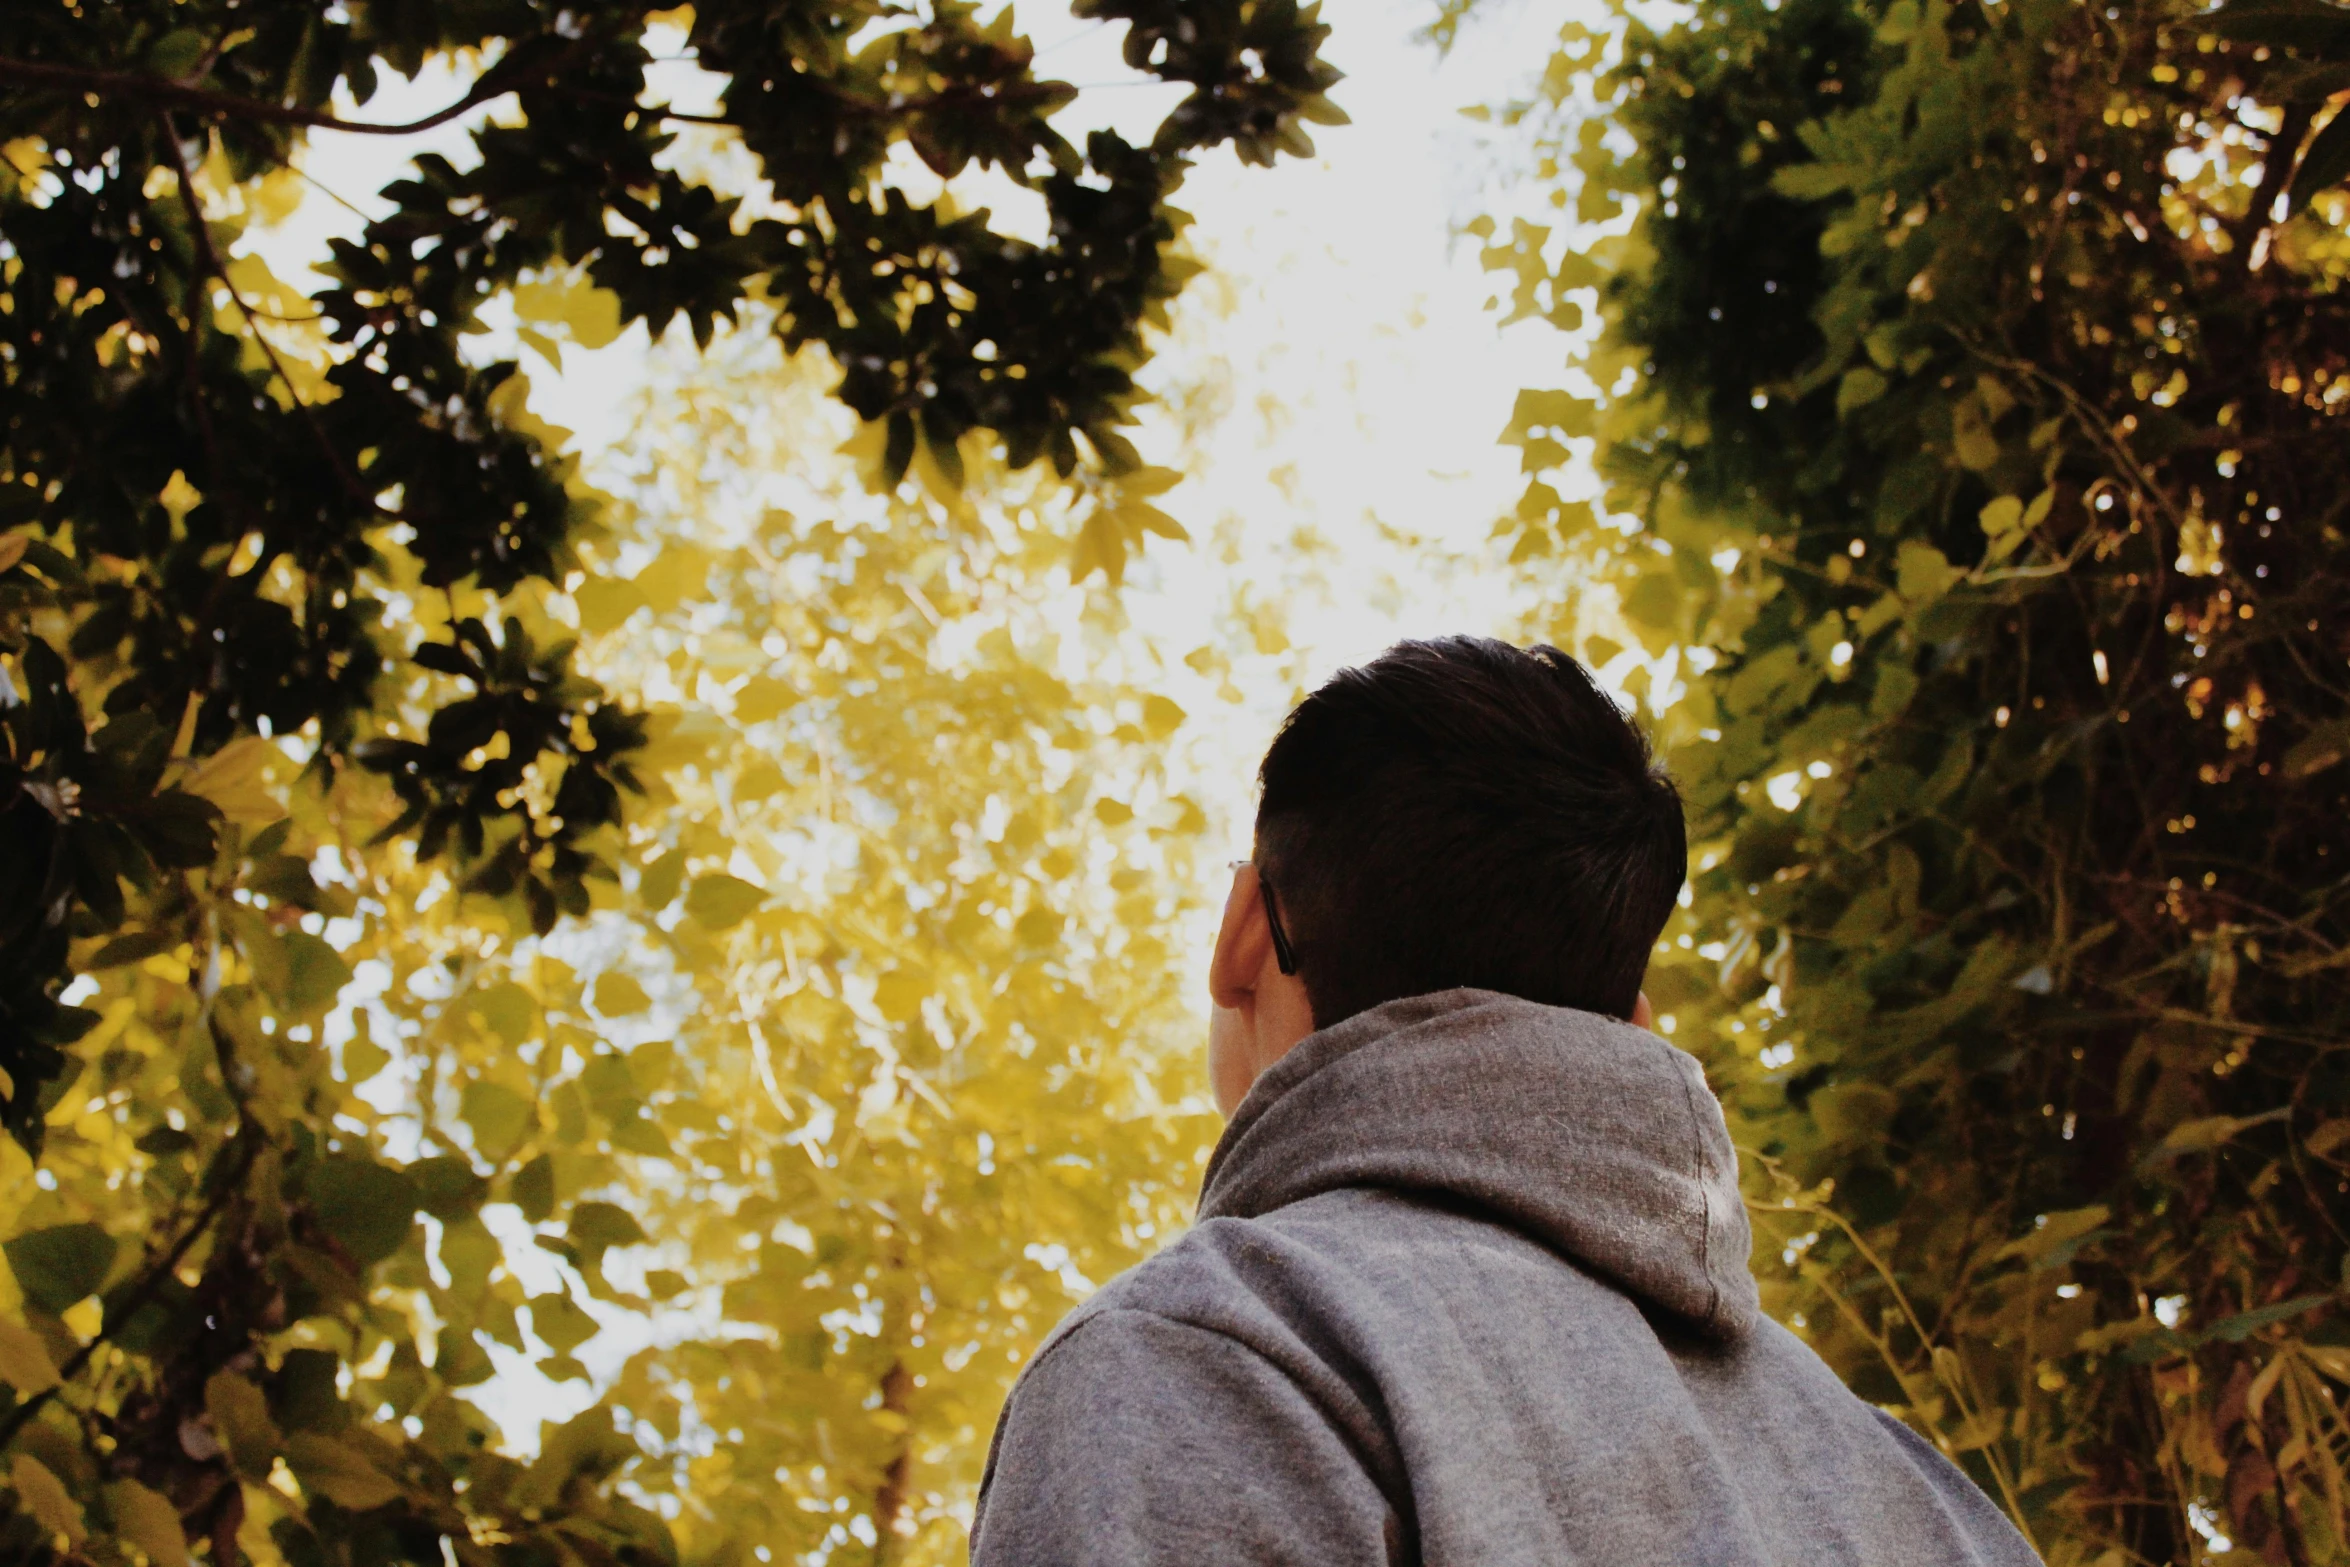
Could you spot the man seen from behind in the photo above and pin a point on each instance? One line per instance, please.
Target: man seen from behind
(1469, 1286)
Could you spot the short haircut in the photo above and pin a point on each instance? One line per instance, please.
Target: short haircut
(1461, 812)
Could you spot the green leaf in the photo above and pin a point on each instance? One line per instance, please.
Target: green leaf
(1653, 605)
(662, 879)
(498, 1117)
(2321, 748)
(1922, 572)
(641, 1134)
(307, 1397)
(447, 1187)
(240, 1418)
(534, 1189)
(1860, 387)
(335, 1469)
(131, 947)
(148, 1520)
(362, 1056)
(25, 1363)
(506, 1010)
(60, 1265)
(1854, 1112)
(2236, 1329)
(45, 1497)
(2057, 1236)
(368, 1207)
(458, 1358)
(720, 902)
(470, 1252)
(561, 1323)
(177, 52)
(315, 973)
(598, 1225)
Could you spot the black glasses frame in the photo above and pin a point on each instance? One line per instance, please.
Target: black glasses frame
(1283, 953)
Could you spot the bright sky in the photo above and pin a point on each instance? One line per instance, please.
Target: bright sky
(1353, 476)
(1349, 481)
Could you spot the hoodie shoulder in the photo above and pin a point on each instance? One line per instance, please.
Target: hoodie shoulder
(1598, 1140)
(1200, 1278)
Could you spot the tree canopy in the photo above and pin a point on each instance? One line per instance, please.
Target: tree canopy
(205, 473)
(512, 914)
(1967, 385)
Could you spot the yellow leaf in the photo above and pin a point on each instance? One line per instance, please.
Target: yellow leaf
(592, 313)
(24, 1360)
(605, 602)
(2201, 1136)
(867, 448)
(276, 194)
(45, 1497)
(673, 575)
(899, 994)
(1160, 717)
(541, 344)
(179, 497)
(761, 698)
(1150, 481)
(2332, 1359)
(510, 405)
(1100, 547)
(618, 995)
(2262, 1385)
(1145, 518)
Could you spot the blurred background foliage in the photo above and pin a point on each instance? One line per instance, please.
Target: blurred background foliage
(1968, 384)
(450, 910)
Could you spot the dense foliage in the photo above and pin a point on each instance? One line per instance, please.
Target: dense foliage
(206, 474)
(1971, 414)
(773, 1167)
(796, 1021)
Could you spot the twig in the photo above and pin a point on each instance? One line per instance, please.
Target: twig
(209, 264)
(239, 1154)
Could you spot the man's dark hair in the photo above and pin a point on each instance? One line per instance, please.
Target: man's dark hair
(1463, 812)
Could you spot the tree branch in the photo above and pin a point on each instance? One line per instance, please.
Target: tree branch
(2276, 167)
(496, 82)
(169, 94)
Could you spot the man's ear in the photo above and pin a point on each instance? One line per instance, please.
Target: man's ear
(1643, 1015)
(1244, 943)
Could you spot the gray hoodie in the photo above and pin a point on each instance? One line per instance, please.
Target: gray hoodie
(1469, 1289)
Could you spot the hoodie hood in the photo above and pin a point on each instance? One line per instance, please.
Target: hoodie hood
(1593, 1137)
